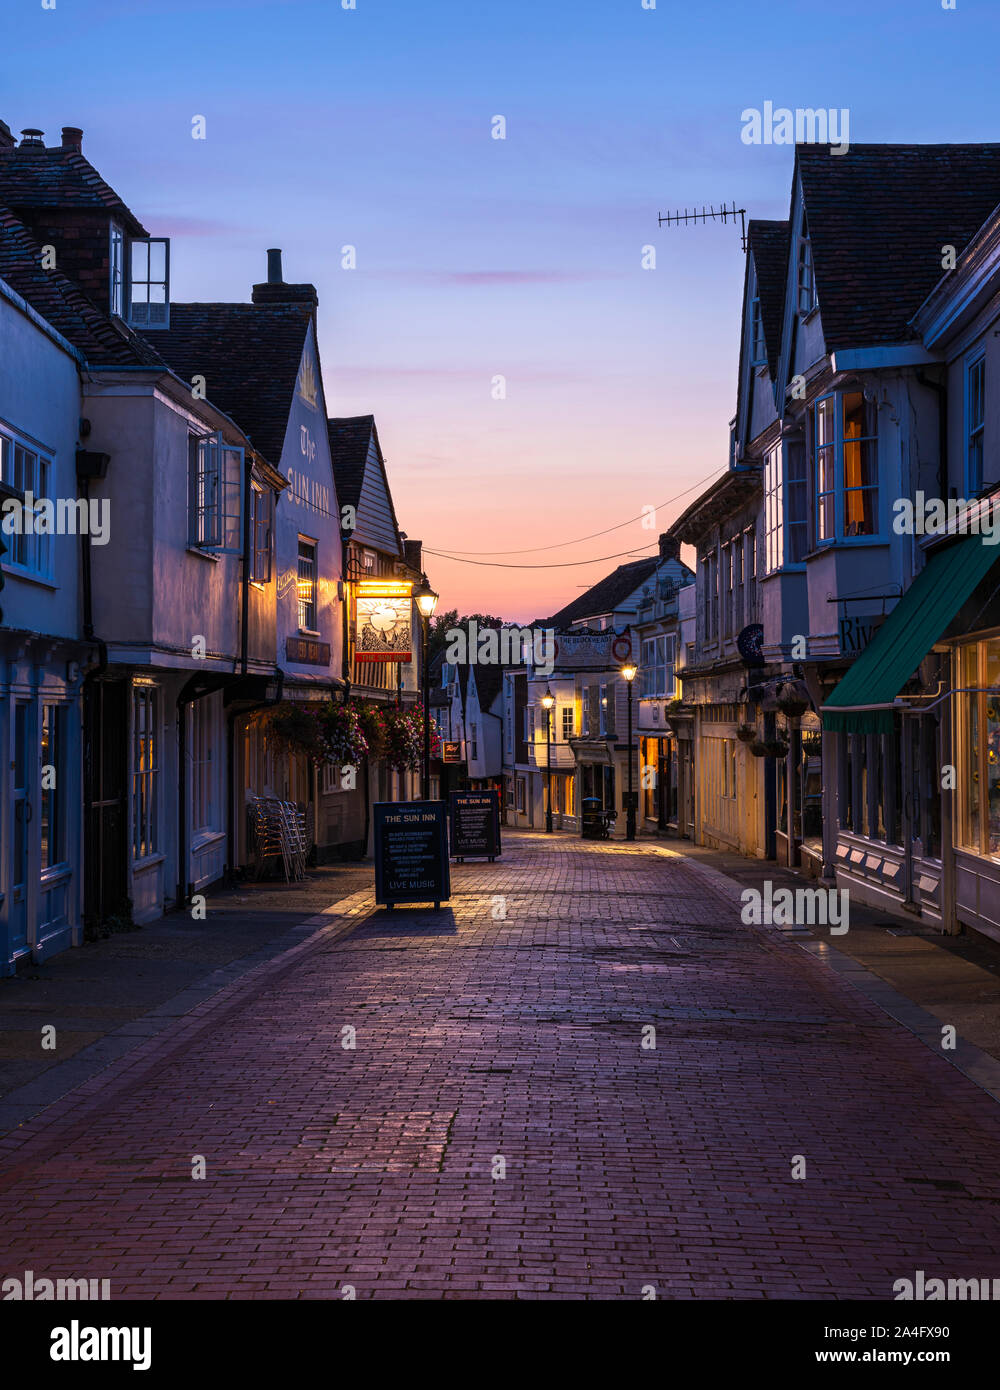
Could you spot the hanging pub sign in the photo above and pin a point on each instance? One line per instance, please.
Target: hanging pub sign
(474, 824)
(750, 643)
(383, 625)
(411, 853)
(451, 752)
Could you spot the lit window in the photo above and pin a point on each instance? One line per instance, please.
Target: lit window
(846, 451)
(215, 495)
(307, 585)
(145, 770)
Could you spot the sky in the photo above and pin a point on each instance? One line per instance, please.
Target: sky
(533, 383)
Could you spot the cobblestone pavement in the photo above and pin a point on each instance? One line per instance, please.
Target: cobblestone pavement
(484, 1045)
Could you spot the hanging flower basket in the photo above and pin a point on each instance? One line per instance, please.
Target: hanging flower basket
(759, 748)
(404, 738)
(296, 729)
(746, 733)
(812, 745)
(344, 741)
(777, 749)
(792, 706)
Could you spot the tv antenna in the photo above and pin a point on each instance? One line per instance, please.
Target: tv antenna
(709, 214)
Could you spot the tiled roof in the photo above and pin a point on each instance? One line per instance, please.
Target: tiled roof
(350, 436)
(34, 177)
(605, 596)
(103, 341)
(878, 218)
(489, 683)
(768, 242)
(249, 355)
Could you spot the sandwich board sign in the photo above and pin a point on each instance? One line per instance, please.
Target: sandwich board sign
(474, 824)
(411, 853)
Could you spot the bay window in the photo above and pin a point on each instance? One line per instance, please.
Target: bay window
(845, 442)
(786, 516)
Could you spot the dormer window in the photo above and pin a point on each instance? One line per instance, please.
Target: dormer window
(807, 277)
(139, 279)
(149, 282)
(758, 352)
(116, 270)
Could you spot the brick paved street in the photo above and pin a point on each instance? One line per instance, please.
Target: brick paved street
(519, 1038)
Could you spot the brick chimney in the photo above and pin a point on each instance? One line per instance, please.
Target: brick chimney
(411, 554)
(32, 138)
(670, 548)
(72, 138)
(274, 290)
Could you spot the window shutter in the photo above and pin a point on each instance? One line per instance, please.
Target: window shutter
(194, 468)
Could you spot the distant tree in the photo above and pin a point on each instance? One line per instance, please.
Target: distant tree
(444, 623)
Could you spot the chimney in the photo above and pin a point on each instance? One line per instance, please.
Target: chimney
(274, 290)
(670, 548)
(72, 138)
(32, 138)
(7, 141)
(411, 554)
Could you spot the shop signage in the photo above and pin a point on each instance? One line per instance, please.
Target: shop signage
(383, 627)
(581, 651)
(307, 652)
(411, 852)
(474, 824)
(451, 752)
(856, 633)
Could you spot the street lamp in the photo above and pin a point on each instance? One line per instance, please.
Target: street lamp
(426, 600)
(628, 676)
(548, 700)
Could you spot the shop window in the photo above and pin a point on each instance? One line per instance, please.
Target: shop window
(53, 791)
(145, 770)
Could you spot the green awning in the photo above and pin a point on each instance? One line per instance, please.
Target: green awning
(907, 635)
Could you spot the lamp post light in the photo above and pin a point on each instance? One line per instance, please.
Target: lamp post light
(628, 675)
(426, 600)
(548, 700)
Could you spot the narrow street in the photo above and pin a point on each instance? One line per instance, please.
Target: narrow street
(499, 1130)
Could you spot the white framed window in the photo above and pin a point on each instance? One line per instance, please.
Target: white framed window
(149, 282)
(261, 532)
(845, 441)
(529, 723)
(758, 352)
(215, 495)
(975, 421)
(27, 472)
(806, 275)
(568, 722)
(116, 270)
(657, 667)
(145, 770)
(519, 792)
(307, 573)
